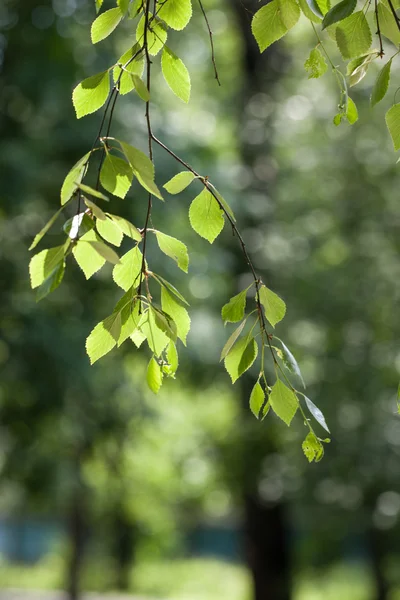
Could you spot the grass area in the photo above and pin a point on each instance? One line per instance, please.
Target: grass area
(193, 579)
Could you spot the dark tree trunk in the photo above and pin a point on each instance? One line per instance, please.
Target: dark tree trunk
(77, 535)
(377, 556)
(266, 543)
(125, 539)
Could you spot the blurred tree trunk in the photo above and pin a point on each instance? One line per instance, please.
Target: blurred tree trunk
(77, 536)
(266, 544)
(125, 538)
(377, 549)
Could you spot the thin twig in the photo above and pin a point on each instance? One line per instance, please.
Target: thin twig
(378, 30)
(396, 18)
(210, 33)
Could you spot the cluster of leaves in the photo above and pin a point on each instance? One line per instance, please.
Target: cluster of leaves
(92, 232)
(351, 28)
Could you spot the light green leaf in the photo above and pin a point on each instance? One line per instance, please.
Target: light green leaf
(126, 227)
(156, 34)
(87, 258)
(337, 119)
(138, 338)
(267, 25)
(175, 74)
(129, 318)
(122, 76)
(177, 312)
(142, 167)
(154, 376)
(156, 339)
(289, 12)
(291, 363)
(339, 12)
(381, 84)
(351, 111)
(123, 5)
(170, 288)
(116, 175)
(353, 35)
(96, 211)
(241, 356)
(232, 339)
(172, 358)
(43, 264)
(78, 225)
(284, 402)
(315, 8)
(393, 124)
(91, 94)
(233, 311)
(257, 399)
(173, 248)
(206, 217)
(105, 251)
(105, 24)
(110, 232)
(358, 67)
(311, 15)
(165, 323)
(92, 192)
(275, 308)
(315, 64)
(73, 178)
(179, 183)
(176, 13)
(99, 4)
(140, 87)
(387, 24)
(312, 448)
(103, 337)
(51, 282)
(316, 413)
(39, 236)
(126, 273)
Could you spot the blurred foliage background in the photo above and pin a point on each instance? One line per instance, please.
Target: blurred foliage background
(105, 486)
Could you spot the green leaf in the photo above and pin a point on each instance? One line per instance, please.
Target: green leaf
(177, 312)
(129, 317)
(87, 258)
(206, 217)
(353, 35)
(179, 183)
(43, 264)
(103, 337)
(78, 225)
(105, 251)
(315, 8)
(110, 232)
(105, 24)
(142, 167)
(381, 84)
(358, 67)
(274, 306)
(223, 203)
(126, 273)
(170, 288)
(122, 76)
(291, 363)
(140, 87)
(175, 74)
(51, 282)
(116, 175)
(123, 5)
(393, 124)
(165, 323)
(289, 12)
(267, 25)
(257, 400)
(126, 227)
(315, 17)
(99, 4)
(156, 34)
(351, 111)
(337, 119)
(312, 448)
(172, 358)
(339, 12)
(39, 236)
(232, 339)
(154, 376)
(156, 339)
(176, 13)
(388, 25)
(241, 356)
(96, 211)
(73, 178)
(284, 402)
(233, 311)
(173, 248)
(91, 94)
(316, 413)
(92, 192)
(315, 64)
